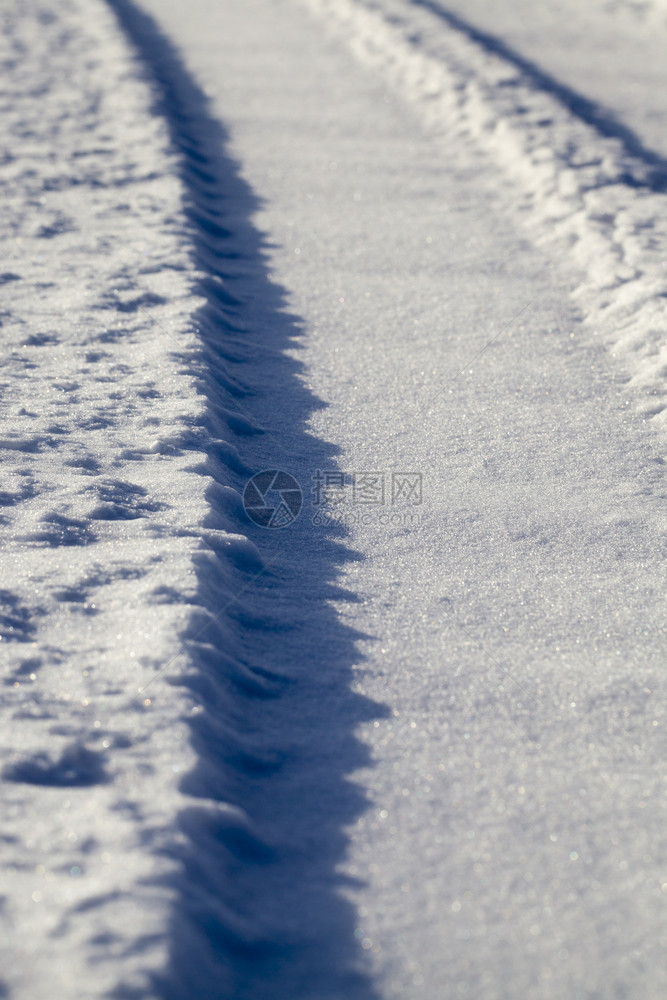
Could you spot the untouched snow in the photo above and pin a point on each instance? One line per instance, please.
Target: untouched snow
(408, 749)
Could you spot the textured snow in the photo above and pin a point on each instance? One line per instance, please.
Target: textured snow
(107, 455)
(588, 190)
(608, 52)
(393, 752)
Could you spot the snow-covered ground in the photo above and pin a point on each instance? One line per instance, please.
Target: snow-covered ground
(585, 183)
(610, 53)
(108, 452)
(412, 744)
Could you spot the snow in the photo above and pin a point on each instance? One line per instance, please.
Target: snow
(103, 507)
(586, 185)
(406, 749)
(611, 54)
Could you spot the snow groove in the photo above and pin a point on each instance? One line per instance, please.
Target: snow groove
(584, 185)
(245, 878)
(127, 569)
(95, 298)
(213, 928)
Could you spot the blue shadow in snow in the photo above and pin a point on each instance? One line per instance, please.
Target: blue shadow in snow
(261, 911)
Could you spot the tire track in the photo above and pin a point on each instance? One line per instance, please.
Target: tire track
(247, 867)
(645, 168)
(585, 186)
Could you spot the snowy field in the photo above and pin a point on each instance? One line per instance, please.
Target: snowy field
(390, 725)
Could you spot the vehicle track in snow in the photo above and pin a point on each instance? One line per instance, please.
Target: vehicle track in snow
(537, 556)
(585, 185)
(246, 878)
(531, 536)
(127, 576)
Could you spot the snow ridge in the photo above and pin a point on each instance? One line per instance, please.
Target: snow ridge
(580, 181)
(153, 842)
(95, 295)
(123, 539)
(244, 879)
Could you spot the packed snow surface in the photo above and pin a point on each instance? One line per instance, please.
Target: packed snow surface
(411, 744)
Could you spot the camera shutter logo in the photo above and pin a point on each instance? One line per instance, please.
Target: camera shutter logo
(272, 499)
